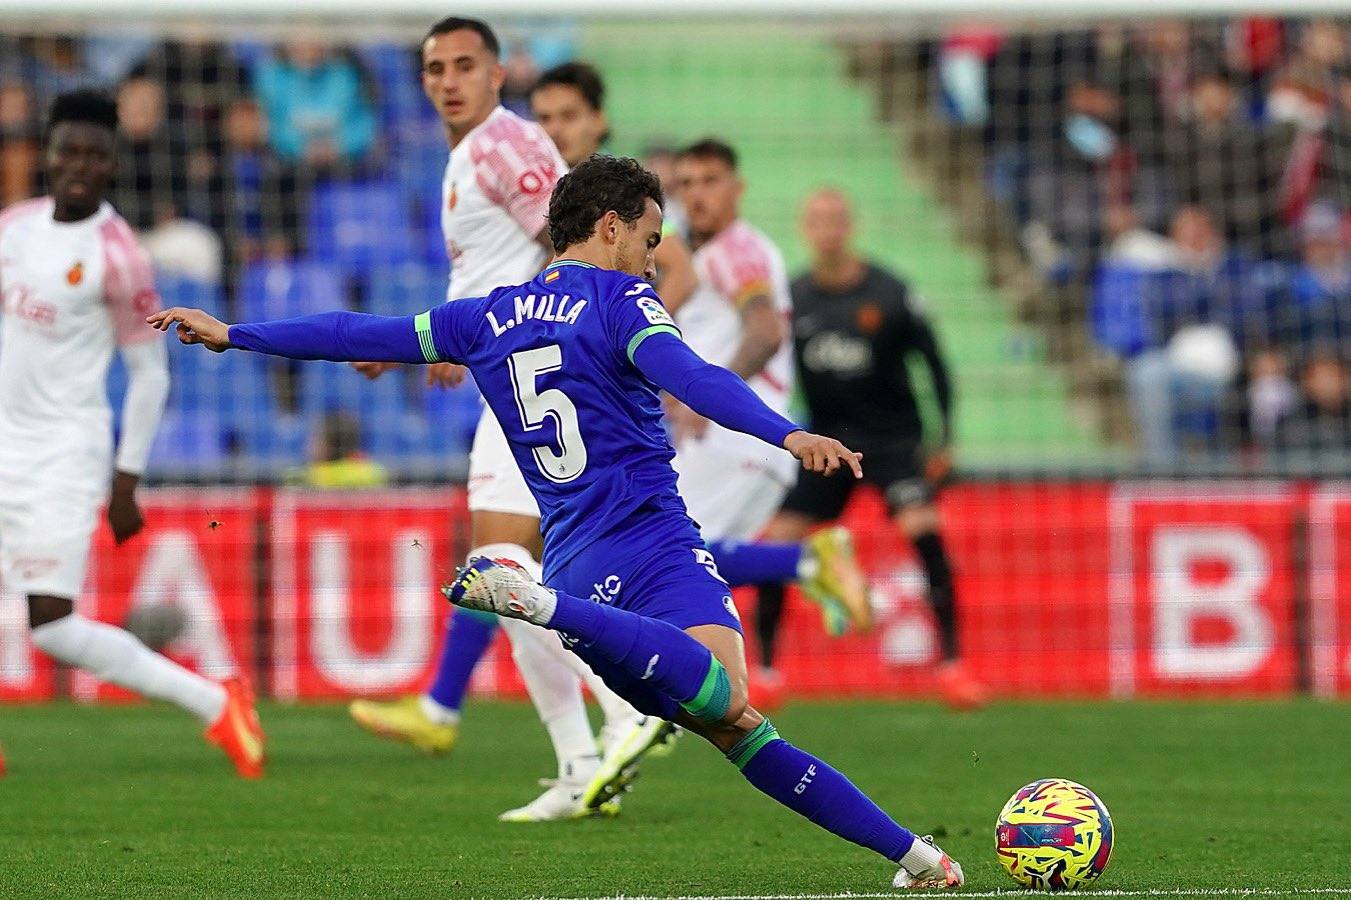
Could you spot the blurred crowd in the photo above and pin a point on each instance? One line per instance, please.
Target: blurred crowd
(1191, 180)
(271, 179)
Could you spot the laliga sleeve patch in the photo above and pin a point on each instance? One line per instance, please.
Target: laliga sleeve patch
(654, 312)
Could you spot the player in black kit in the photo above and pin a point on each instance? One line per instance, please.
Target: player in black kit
(855, 326)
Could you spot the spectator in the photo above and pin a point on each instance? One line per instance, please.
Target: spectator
(522, 73)
(1186, 358)
(263, 219)
(1318, 431)
(318, 112)
(154, 189)
(659, 156)
(201, 79)
(1319, 307)
(336, 460)
(19, 150)
(1088, 170)
(1229, 165)
(52, 66)
(1302, 92)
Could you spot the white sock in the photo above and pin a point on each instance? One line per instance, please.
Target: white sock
(921, 857)
(117, 657)
(435, 712)
(552, 683)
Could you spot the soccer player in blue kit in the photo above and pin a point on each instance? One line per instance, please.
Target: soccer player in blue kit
(571, 363)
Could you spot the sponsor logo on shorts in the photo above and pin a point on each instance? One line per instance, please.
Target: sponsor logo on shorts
(36, 566)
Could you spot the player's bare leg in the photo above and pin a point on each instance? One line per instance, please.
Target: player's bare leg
(116, 656)
(920, 523)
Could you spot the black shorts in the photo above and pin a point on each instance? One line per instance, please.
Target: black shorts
(895, 467)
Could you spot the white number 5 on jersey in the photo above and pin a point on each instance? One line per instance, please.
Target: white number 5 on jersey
(537, 407)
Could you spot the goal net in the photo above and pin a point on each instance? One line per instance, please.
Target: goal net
(1130, 236)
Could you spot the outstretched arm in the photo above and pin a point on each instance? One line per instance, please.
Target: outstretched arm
(336, 336)
(725, 398)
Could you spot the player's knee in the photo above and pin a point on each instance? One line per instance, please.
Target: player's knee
(43, 609)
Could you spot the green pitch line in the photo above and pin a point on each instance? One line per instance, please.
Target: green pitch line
(784, 100)
(128, 801)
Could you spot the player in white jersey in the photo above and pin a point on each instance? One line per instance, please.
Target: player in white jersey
(738, 318)
(495, 197)
(74, 286)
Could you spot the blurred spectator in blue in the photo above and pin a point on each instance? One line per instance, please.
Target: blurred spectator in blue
(263, 217)
(1222, 160)
(19, 148)
(318, 110)
(1321, 284)
(1184, 357)
(1318, 431)
(522, 73)
(53, 65)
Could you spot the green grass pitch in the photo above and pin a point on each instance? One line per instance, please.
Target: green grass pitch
(123, 802)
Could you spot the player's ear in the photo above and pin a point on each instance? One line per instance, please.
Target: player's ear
(498, 76)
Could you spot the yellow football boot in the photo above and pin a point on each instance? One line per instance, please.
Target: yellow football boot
(405, 720)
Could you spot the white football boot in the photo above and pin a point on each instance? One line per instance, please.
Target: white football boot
(942, 874)
(560, 803)
(501, 586)
(619, 766)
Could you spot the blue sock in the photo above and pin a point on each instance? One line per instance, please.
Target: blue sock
(808, 786)
(467, 638)
(756, 563)
(649, 650)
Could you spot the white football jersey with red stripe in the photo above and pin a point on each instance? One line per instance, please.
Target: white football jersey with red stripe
(738, 263)
(70, 293)
(495, 198)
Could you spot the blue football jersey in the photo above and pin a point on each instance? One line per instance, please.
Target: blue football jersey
(554, 359)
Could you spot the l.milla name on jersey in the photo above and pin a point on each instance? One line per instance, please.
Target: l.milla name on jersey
(545, 307)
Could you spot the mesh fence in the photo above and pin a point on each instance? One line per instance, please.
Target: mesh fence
(1131, 239)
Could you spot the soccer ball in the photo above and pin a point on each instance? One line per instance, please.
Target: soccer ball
(1054, 835)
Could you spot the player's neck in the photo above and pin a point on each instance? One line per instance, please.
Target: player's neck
(838, 272)
(586, 252)
(70, 212)
(455, 135)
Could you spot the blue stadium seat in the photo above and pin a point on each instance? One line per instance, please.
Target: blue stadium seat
(277, 289)
(356, 227)
(404, 290)
(175, 290)
(188, 443)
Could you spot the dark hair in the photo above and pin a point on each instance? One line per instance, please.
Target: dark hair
(710, 148)
(455, 23)
(581, 76)
(596, 186)
(88, 106)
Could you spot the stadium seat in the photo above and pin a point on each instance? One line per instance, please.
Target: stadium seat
(355, 227)
(188, 442)
(404, 290)
(278, 289)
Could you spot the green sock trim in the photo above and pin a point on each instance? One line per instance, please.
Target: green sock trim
(715, 695)
(479, 614)
(746, 748)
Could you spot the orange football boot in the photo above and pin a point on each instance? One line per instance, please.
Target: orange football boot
(238, 731)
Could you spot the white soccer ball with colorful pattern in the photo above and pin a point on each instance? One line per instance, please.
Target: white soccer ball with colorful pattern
(1054, 835)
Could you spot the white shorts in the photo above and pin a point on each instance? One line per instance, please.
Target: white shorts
(732, 483)
(495, 481)
(45, 533)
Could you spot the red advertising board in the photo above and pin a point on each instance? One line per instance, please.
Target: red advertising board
(355, 608)
(1203, 588)
(197, 552)
(1031, 575)
(1330, 590)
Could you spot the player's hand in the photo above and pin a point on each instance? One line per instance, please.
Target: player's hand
(822, 454)
(686, 424)
(195, 326)
(446, 375)
(374, 370)
(124, 516)
(938, 467)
